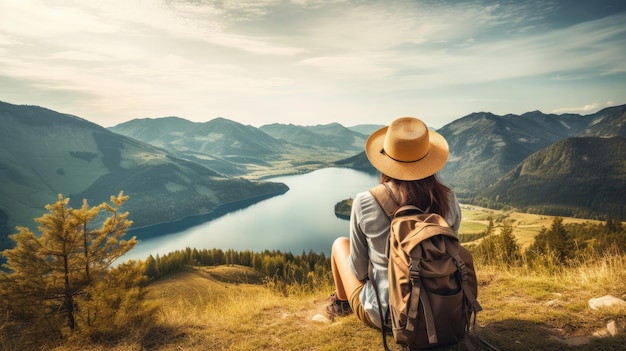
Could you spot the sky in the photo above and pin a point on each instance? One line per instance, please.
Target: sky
(310, 62)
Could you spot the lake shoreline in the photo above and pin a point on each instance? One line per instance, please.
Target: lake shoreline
(143, 232)
(302, 219)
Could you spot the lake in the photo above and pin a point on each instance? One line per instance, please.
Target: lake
(302, 219)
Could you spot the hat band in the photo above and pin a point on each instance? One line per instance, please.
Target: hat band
(382, 151)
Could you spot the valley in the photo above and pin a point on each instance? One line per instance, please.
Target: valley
(527, 306)
(174, 168)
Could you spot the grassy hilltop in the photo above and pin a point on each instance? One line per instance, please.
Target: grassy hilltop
(228, 308)
(231, 307)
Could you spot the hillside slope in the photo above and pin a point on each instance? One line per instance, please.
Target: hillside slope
(608, 123)
(220, 144)
(579, 176)
(484, 146)
(332, 136)
(202, 309)
(44, 153)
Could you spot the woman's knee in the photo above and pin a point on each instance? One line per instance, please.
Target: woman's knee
(341, 246)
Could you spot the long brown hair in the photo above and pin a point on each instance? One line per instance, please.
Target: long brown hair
(429, 194)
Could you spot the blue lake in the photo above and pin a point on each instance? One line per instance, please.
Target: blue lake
(302, 219)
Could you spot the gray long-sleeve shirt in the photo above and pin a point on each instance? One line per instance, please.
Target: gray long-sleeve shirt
(369, 232)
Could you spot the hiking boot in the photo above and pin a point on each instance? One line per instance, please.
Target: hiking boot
(337, 307)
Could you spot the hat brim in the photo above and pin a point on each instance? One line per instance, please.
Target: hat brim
(430, 164)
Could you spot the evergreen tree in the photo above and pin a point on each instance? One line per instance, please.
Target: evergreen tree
(558, 239)
(47, 273)
(114, 304)
(554, 241)
(507, 244)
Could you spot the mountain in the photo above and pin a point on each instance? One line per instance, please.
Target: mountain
(608, 122)
(172, 167)
(366, 129)
(332, 136)
(44, 153)
(583, 177)
(484, 146)
(240, 150)
(359, 162)
(220, 144)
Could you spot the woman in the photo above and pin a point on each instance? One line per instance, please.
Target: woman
(408, 156)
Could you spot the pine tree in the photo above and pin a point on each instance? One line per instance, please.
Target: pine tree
(552, 242)
(47, 273)
(558, 239)
(509, 249)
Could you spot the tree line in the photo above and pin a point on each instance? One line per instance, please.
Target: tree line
(283, 269)
(558, 246)
(596, 210)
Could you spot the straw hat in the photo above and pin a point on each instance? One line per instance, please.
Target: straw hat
(407, 150)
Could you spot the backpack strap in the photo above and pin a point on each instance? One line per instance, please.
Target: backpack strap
(406, 208)
(475, 306)
(383, 194)
(420, 293)
(453, 251)
(370, 271)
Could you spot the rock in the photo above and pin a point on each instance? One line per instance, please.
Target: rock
(320, 318)
(605, 301)
(613, 327)
(553, 303)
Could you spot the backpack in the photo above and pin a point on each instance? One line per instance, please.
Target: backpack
(432, 282)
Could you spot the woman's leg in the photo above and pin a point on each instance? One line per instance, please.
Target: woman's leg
(345, 281)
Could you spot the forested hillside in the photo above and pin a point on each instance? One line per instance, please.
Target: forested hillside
(484, 146)
(44, 153)
(580, 177)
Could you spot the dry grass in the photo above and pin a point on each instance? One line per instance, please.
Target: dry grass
(532, 310)
(524, 308)
(212, 309)
(233, 308)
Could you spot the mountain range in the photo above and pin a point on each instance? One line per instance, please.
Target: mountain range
(44, 153)
(235, 149)
(485, 147)
(173, 168)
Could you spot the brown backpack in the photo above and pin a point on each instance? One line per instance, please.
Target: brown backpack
(432, 282)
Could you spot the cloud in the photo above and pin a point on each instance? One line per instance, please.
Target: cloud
(323, 57)
(586, 109)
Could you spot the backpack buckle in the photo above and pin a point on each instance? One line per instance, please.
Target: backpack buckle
(414, 270)
(461, 267)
